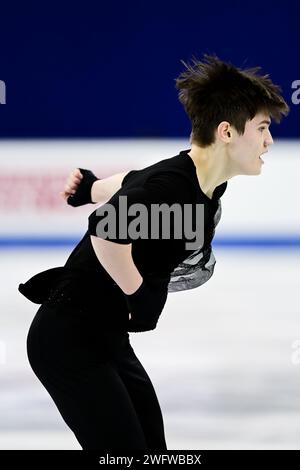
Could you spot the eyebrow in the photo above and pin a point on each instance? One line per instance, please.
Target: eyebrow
(265, 122)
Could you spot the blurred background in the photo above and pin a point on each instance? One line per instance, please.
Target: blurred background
(92, 85)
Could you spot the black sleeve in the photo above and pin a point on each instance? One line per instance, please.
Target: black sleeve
(164, 187)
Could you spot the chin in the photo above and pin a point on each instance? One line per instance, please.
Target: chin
(256, 169)
(257, 172)
(251, 172)
(253, 168)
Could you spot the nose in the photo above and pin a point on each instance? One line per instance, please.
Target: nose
(269, 139)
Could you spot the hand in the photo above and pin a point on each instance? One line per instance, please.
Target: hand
(79, 187)
(72, 184)
(146, 305)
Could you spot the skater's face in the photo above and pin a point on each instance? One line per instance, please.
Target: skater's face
(244, 150)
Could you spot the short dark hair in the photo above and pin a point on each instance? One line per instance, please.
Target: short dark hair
(213, 91)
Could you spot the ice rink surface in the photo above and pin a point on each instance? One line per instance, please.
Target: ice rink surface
(224, 358)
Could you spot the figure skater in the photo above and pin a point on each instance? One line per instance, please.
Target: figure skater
(112, 284)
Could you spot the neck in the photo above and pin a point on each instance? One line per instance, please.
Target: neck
(211, 165)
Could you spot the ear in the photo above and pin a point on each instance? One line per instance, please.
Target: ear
(224, 131)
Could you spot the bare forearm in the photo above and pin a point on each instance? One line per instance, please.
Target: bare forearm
(117, 261)
(104, 189)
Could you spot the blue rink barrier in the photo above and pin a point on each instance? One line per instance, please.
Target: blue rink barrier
(284, 241)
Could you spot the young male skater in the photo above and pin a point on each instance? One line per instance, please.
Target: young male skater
(114, 282)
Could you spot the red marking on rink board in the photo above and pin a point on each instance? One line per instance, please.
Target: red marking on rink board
(39, 192)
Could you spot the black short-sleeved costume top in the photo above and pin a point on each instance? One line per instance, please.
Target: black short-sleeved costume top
(172, 180)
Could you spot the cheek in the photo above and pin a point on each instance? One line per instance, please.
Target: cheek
(243, 151)
(249, 145)
(255, 140)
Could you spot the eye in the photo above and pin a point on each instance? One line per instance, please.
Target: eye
(261, 128)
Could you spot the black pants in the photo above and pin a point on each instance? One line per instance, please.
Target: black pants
(98, 384)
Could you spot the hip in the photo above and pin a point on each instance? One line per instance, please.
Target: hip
(62, 338)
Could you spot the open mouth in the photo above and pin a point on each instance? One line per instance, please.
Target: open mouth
(262, 154)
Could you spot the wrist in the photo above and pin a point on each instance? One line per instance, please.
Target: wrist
(94, 198)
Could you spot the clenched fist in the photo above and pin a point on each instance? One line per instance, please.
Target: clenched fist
(78, 187)
(71, 184)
